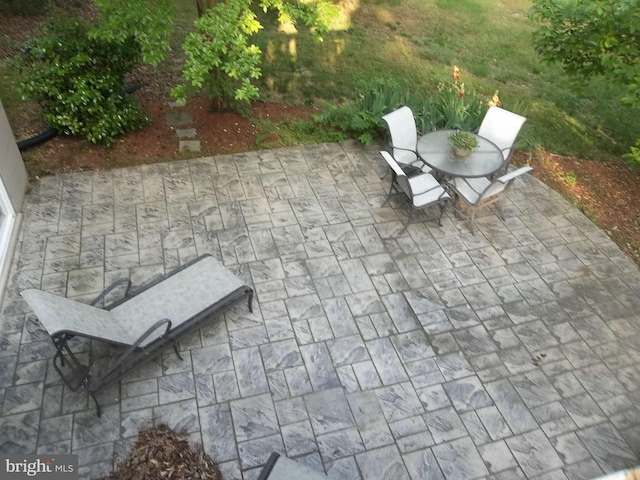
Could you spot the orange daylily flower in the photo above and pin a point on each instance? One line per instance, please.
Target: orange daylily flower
(495, 100)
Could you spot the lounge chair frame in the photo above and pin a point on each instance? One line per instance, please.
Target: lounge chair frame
(137, 353)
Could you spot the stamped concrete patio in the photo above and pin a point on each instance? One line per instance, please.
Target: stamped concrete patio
(375, 352)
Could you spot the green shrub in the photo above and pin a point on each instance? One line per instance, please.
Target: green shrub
(78, 82)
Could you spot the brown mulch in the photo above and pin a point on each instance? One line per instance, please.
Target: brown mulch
(162, 453)
(606, 192)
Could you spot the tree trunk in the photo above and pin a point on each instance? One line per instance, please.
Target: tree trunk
(204, 5)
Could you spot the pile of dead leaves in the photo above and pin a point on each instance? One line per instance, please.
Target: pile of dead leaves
(161, 453)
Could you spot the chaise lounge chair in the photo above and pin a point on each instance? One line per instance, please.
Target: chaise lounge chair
(144, 323)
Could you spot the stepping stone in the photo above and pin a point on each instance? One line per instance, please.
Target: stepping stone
(176, 104)
(178, 118)
(186, 133)
(189, 146)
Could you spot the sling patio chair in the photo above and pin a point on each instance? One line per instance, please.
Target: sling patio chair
(482, 192)
(423, 190)
(502, 127)
(143, 323)
(403, 135)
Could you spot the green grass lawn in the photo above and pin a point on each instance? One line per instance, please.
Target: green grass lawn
(418, 41)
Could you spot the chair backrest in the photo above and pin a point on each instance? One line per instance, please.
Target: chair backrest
(502, 183)
(61, 315)
(399, 175)
(502, 127)
(403, 133)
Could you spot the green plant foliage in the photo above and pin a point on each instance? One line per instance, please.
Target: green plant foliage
(451, 107)
(147, 21)
(593, 37)
(633, 157)
(220, 56)
(78, 81)
(463, 140)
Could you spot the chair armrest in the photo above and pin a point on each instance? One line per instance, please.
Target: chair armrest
(514, 174)
(112, 287)
(405, 149)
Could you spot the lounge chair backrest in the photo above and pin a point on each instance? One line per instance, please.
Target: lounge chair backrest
(62, 315)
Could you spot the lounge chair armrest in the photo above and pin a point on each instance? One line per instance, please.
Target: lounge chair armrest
(113, 286)
(111, 372)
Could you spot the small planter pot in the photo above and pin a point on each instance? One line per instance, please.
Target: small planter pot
(462, 152)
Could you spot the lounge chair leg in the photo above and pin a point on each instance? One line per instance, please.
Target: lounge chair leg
(175, 349)
(250, 301)
(98, 407)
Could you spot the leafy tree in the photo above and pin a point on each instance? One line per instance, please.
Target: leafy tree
(220, 56)
(593, 37)
(148, 22)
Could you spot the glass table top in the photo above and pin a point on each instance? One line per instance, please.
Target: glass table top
(434, 148)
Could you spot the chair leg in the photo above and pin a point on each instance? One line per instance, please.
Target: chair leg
(393, 181)
(472, 222)
(499, 209)
(457, 208)
(410, 214)
(442, 206)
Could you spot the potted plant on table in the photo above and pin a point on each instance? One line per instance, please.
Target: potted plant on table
(463, 143)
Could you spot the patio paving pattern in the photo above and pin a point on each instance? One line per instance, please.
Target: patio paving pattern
(374, 352)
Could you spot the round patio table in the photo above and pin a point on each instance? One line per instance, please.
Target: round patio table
(436, 151)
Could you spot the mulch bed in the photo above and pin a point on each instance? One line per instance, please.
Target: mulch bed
(161, 453)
